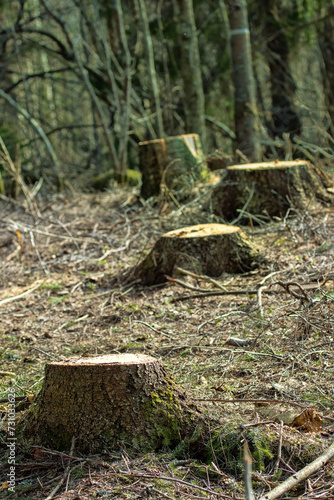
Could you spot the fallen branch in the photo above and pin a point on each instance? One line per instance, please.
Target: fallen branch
(227, 292)
(245, 291)
(276, 401)
(300, 475)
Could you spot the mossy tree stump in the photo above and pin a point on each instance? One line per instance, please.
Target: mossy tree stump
(110, 401)
(209, 249)
(270, 188)
(173, 161)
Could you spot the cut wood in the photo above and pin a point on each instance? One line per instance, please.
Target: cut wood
(174, 162)
(270, 188)
(209, 249)
(110, 401)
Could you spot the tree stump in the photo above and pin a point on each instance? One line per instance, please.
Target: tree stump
(270, 189)
(174, 162)
(209, 249)
(110, 401)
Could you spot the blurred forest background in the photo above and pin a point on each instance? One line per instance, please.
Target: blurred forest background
(82, 82)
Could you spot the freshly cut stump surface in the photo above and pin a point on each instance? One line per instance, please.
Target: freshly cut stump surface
(270, 188)
(110, 401)
(174, 161)
(208, 249)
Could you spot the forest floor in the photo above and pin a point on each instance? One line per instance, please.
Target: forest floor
(59, 298)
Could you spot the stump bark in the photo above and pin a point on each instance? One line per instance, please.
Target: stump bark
(209, 249)
(270, 189)
(174, 162)
(110, 401)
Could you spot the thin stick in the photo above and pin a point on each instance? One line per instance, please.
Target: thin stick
(186, 285)
(286, 289)
(279, 454)
(152, 328)
(172, 479)
(46, 353)
(300, 475)
(292, 403)
(32, 239)
(259, 299)
(202, 277)
(227, 292)
(66, 473)
(17, 297)
(248, 473)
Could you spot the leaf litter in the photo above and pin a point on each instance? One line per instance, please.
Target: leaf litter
(63, 293)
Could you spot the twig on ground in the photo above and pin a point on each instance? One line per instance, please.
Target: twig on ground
(186, 285)
(66, 473)
(259, 298)
(17, 297)
(248, 473)
(202, 277)
(172, 479)
(287, 287)
(221, 316)
(276, 401)
(152, 328)
(245, 291)
(7, 374)
(256, 424)
(46, 353)
(32, 239)
(300, 475)
(279, 454)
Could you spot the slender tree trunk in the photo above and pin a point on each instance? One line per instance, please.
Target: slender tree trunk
(247, 136)
(284, 118)
(151, 66)
(326, 45)
(127, 83)
(194, 103)
(40, 132)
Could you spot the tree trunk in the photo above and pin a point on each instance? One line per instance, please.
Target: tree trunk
(190, 68)
(270, 189)
(209, 249)
(110, 401)
(151, 67)
(175, 162)
(325, 31)
(247, 136)
(283, 114)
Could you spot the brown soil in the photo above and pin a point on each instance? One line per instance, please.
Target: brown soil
(62, 293)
